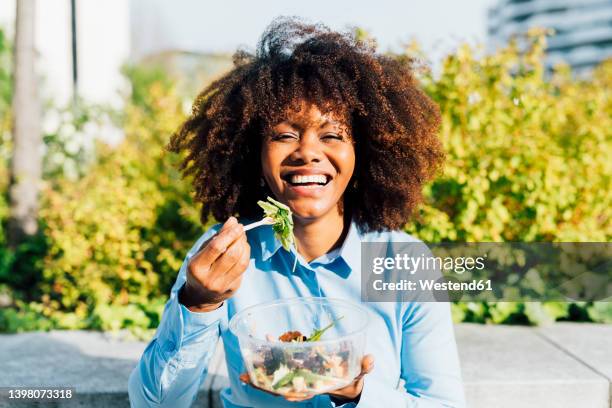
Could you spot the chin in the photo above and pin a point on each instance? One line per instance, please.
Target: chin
(309, 209)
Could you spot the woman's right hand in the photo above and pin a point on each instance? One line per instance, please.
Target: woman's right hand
(215, 272)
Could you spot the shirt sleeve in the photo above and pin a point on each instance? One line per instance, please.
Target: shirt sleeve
(430, 364)
(175, 362)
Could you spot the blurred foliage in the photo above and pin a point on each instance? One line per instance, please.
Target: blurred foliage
(6, 256)
(119, 234)
(5, 77)
(69, 139)
(527, 161)
(527, 158)
(142, 79)
(113, 239)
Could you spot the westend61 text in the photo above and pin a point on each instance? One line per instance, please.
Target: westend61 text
(433, 285)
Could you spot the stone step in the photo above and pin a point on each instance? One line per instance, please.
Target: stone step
(563, 365)
(514, 366)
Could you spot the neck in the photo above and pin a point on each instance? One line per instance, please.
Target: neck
(315, 237)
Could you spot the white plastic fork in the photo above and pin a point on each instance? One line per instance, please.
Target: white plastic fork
(263, 221)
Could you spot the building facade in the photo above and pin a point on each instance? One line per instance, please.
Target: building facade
(582, 28)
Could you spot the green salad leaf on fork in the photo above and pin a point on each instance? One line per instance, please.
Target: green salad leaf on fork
(283, 223)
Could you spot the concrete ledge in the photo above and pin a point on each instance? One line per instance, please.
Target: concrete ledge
(564, 365)
(589, 343)
(512, 366)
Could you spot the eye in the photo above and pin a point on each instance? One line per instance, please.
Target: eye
(332, 136)
(285, 137)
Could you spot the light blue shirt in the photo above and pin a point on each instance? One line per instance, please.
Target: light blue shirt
(413, 344)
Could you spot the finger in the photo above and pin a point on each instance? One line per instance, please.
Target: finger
(367, 365)
(355, 387)
(297, 397)
(233, 286)
(236, 272)
(224, 264)
(228, 223)
(220, 243)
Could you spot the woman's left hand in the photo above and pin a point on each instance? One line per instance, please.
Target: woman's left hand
(345, 394)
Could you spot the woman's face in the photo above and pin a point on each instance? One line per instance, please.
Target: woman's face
(308, 160)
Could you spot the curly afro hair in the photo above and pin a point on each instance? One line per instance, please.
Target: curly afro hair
(393, 122)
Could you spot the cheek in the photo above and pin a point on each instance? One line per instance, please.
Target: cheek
(269, 160)
(346, 162)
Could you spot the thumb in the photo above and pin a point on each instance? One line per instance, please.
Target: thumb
(367, 365)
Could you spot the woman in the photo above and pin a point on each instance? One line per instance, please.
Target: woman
(343, 136)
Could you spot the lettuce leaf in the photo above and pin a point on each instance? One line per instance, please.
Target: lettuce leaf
(283, 222)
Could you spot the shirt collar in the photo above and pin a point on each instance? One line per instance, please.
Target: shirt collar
(269, 244)
(349, 254)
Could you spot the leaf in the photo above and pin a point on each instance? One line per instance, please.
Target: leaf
(316, 335)
(284, 380)
(309, 376)
(283, 223)
(601, 312)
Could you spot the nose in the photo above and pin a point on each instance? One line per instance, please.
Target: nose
(309, 149)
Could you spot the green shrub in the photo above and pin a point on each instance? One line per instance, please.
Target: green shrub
(527, 161)
(6, 257)
(527, 158)
(119, 234)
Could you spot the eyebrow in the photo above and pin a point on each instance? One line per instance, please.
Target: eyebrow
(329, 122)
(326, 122)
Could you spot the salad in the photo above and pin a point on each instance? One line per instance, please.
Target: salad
(278, 215)
(302, 371)
(282, 223)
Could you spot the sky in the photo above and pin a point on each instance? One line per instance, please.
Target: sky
(222, 26)
(112, 32)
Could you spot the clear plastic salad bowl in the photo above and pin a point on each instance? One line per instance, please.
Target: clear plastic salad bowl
(302, 346)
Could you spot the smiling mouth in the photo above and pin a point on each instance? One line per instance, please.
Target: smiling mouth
(315, 180)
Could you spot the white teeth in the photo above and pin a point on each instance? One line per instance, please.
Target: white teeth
(317, 178)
